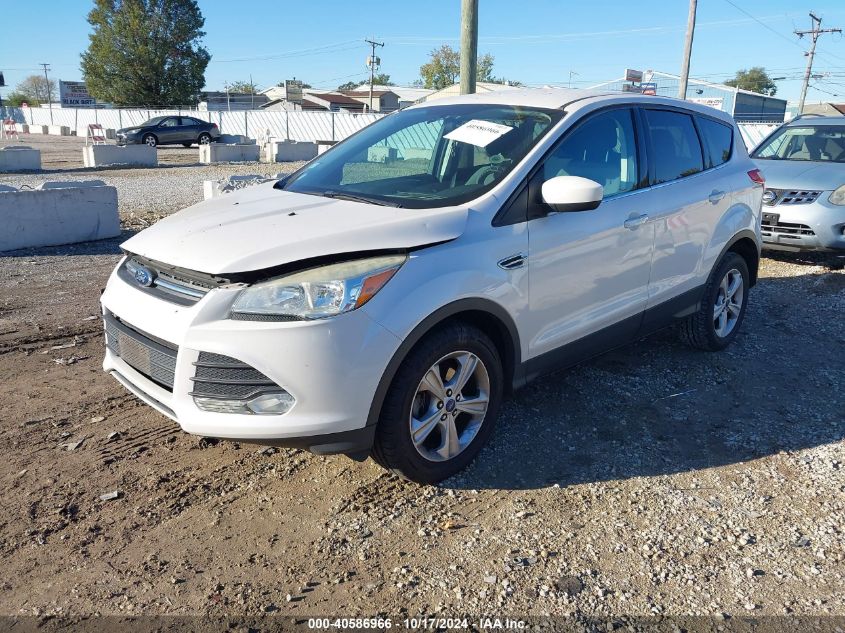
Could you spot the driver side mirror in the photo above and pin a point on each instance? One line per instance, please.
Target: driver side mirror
(572, 193)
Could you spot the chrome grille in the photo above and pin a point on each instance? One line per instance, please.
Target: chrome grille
(165, 284)
(787, 229)
(792, 196)
(151, 358)
(224, 377)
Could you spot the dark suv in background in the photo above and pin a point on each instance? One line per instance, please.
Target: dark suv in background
(169, 130)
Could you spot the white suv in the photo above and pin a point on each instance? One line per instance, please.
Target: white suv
(382, 299)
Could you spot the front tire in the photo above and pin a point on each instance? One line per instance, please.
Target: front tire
(722, 309)
(150, 140)
(204, 139)
(442, 405)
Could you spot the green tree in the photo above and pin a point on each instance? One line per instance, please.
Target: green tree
(145, 52)
(381, 79)
(36, 89)
(444, 68)
(754, 79)
(15, 99)
(243, 87)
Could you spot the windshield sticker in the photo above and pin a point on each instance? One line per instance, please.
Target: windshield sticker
(478, 133)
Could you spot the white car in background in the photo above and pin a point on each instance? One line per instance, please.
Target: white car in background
(384, 298)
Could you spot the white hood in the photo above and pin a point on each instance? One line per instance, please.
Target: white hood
(261, 227)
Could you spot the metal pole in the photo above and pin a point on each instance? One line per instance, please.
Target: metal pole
(469, 45)
(682, 85)
(47, 87)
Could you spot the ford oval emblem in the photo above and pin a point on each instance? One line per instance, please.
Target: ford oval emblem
(144, 276)
(769, 197)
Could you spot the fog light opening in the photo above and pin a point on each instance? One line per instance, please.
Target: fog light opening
(275, 403)
(271, 403)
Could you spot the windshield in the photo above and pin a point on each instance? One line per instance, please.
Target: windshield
(434, 156)
(824, 143)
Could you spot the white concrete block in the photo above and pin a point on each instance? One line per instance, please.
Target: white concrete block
(381, 154)
(19, 158)
(49, 217)
(218, 153)
(323, 146)
(417, 152)
(39, 129)
(99, 155)
(70, 184)
(58, 130)
(281, 151)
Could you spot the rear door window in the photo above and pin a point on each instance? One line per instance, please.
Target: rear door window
(718, 141)
(675, 145)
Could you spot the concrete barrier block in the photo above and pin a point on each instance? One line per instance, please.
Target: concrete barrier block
(99, 155)
(19, 158)
(416, 152)
(381, 154)
(111, 133)
(218, 153)
(69, 184)
(49, 217)
(22, 128)
(58, 130)
(281, 151)
(39, 129)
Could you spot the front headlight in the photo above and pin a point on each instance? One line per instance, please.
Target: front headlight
(319, 292)
(838, 197)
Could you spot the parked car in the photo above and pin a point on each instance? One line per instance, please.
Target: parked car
(169, 130)
(804, 203)
(384, 298)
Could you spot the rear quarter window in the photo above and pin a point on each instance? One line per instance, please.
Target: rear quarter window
(718, 141)
(675, 145)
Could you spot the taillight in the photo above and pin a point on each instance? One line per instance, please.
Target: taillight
(757, 177)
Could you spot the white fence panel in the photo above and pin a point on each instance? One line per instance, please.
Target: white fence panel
(297, 125)
(753, 133)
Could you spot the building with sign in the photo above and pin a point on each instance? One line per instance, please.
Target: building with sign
(745, 106)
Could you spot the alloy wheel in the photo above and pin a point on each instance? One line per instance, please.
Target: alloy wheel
(729, 300)
(449, 406)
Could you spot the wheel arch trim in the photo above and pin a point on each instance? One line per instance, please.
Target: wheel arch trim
(511, 356)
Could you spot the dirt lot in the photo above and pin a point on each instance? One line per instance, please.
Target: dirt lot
(653, 480)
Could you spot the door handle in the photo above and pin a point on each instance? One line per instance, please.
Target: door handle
(636, 221)
(716, 196)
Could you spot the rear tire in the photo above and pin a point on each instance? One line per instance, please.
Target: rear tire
(716, 323)
(150, 140)
(452, 416)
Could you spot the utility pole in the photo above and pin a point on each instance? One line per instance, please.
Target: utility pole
(469, 45)
(46, 67)
(814, 34)
(682, 85)
(571, 72)
(372, 62)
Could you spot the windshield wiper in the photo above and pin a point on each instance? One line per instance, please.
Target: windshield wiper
(339, 195)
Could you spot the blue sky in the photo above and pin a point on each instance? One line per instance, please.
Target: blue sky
(533, 41)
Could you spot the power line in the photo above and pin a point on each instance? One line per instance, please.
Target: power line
(763, 24)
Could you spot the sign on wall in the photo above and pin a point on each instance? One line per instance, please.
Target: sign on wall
(74, 94)
(713, 102)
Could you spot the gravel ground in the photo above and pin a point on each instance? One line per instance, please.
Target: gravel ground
(653, 481)
(143, 195)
